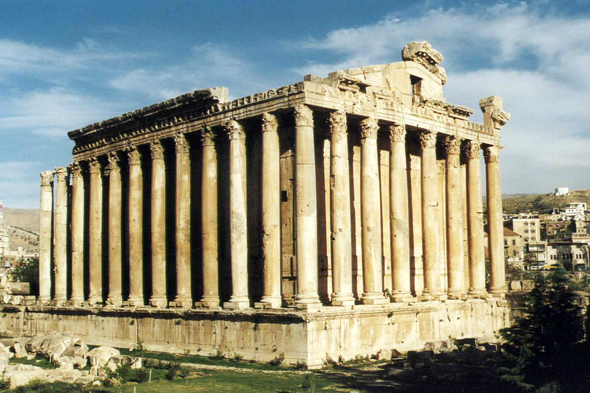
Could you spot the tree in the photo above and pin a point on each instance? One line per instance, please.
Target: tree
(27, 270)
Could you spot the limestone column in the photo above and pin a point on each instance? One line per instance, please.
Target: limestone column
(77, 234)
(135, 229)
(306, 211)
(477, 270)
(60, 246)
(431, 230)
(456, 265)
(183, 223)
(45, 236)
(95, 233)
(115, 296)
(495, 221)
(209, 227)
(371, 214)
(238, 216)
(341, 214)
(400, 221)
(271, 213)
(158, 202)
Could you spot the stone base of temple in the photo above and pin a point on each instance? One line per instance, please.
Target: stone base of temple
(263, 335)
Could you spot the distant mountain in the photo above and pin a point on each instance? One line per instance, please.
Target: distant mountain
(22, 218)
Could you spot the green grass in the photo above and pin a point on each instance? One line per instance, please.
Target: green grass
(39, 362)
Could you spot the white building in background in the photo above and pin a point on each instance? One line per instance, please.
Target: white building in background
(575, 211)
(561, 191)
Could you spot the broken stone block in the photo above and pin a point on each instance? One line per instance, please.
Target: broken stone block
(19, 350)
(384, 354)
(100, 356)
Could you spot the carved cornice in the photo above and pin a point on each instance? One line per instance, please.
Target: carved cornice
(491, 154)
(46, 178)
(369, 128)
(207, 137)
(337, 122)
(133, 156)
(421, 53)
(269, 123)
(397, 133)
(428, 140)
(157, 150)
(180, 143)
(234, 130)
(94, 165)
(472, 149)
(303, 116)
(452, 145)
(61, 174)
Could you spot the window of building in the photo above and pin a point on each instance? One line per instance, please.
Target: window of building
(513, 242)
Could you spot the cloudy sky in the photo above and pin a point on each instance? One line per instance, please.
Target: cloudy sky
(66, 64)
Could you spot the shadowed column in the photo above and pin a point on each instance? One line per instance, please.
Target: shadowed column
(77, 234)
(115, 296)
(61, 236)
(135, 229)
(45, 240)
(95, 233)
(495, 221)
(158, 210)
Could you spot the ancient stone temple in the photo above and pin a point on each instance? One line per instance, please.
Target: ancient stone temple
(332, 217)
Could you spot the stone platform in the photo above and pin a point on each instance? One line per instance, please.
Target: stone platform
(262, 335)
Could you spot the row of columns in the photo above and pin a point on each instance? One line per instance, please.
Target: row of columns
(305, 218)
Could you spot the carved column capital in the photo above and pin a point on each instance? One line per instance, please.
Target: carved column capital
(134, 156)
(76, 169)
(369, 128)
(303, 115)
(157, 150)
(234, 130)
(46, 178)
(337, 122)
(452, 145)
(94, 166)
(269, 123)
(207, 137)
(181, 143)
(428, 140)
(397, 133)
(471, 149)
(492, 154)
(113, 164)
(61, 174)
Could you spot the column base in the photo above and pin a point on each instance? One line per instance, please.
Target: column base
(57, 302)
(456, 295)
(269, 302)
(134, 302)
(307, 301)
(343, 300)
(43, 300)
(114, 302)
(498, 292)
(477, 293)
(237, 304)
(374, 298)
(182, 302)
(95, 301)
(159, 302)
(402, 297)
(210, 302)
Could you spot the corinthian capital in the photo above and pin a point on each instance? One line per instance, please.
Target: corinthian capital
(46, 178)
(303, 115)
(491, 154)
(397, 133)
(428, 140)
(76, 169)
(94, 165)
(234, 130)
(61, 173)
(369, 128)
(472, 150)
(207, 137)
(113, 158)
(269, 123)
(134, 156)
(157, 150)
(452, 145)
(180, 143)
(337, 122)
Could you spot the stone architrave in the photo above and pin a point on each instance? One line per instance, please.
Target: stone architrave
(183, 223)
(158, 213)
(341, 213)
(77, 234)
(400, 221)
(95, 233)
(495, 221)
(61, 236)
(477, 278)
(306, 243)
(115, 294)
(238, 216)
(431, 231)
(271, 213)
(45, 224)
(210, 218)
(371, 214)
(456, 263)
(135, 229)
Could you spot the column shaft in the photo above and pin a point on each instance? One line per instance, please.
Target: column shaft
(477, 271)
(341, 213)
(306, 211)
(158, 210)
(371, 214)
(495, 221)
(430, 224)
(135, 229)
(400, 221)
(45, 236)
(455, 257)
(271, 213)
(238, 216)
(115, 295)
(95, 233)
(61, 236)
(77, 234)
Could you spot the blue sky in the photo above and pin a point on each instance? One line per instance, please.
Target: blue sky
(66, 64)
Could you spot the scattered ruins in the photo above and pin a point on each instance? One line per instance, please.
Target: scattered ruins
(334, 217)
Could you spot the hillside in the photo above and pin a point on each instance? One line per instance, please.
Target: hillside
(22, 218)
(543, 203)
